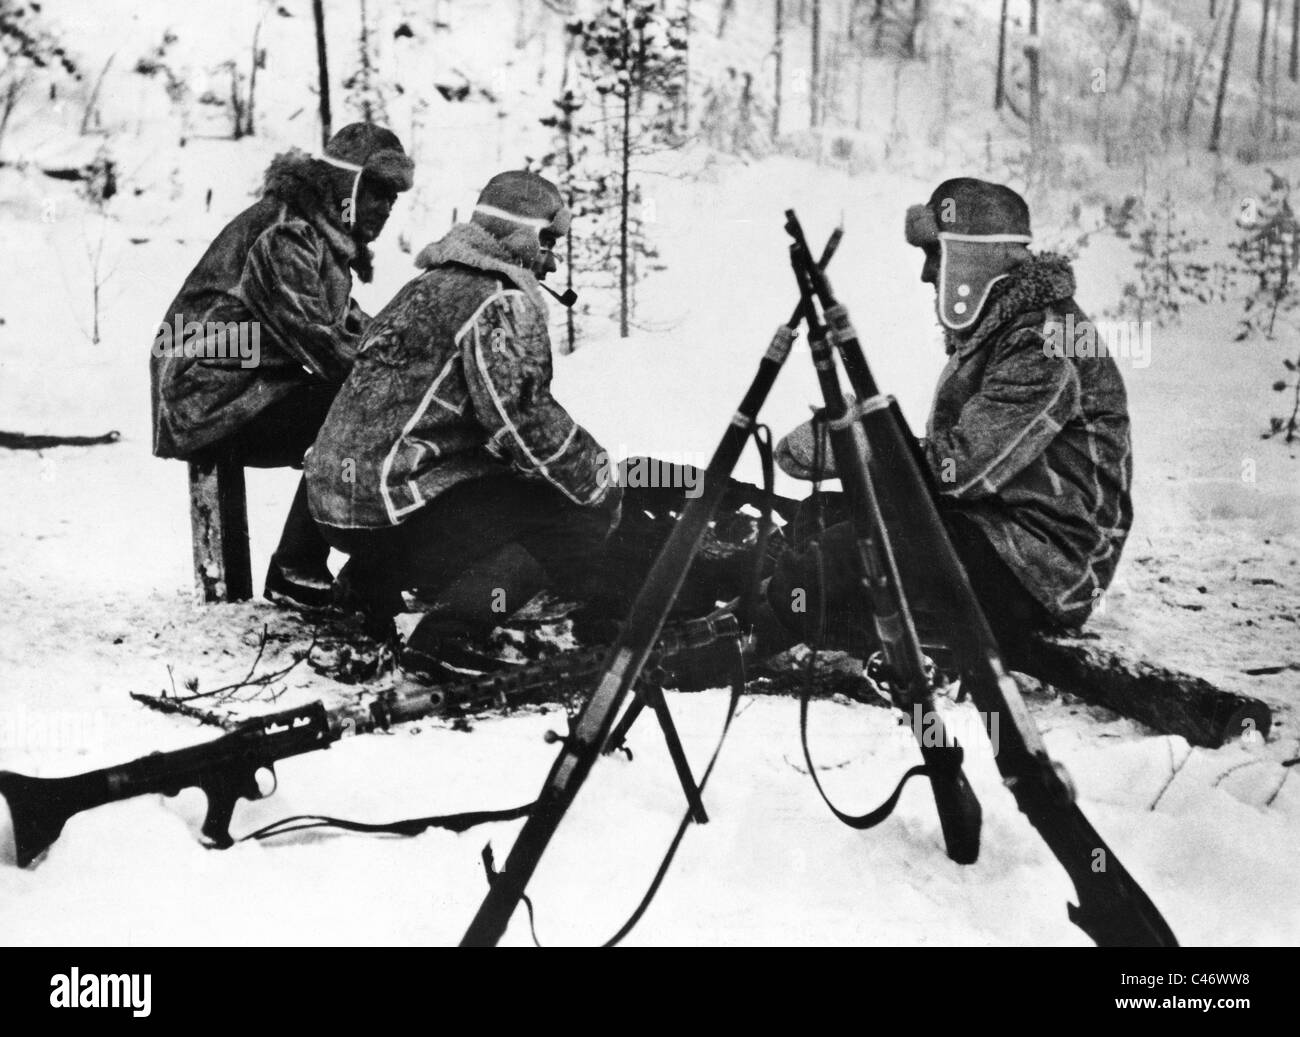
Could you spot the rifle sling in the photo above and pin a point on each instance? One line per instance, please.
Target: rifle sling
(737, 690)
(762, 437)
(461, 822)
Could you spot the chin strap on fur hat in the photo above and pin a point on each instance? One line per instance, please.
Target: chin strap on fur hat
(516, 207)
(536, 222)
(367, 150)
(350, 216)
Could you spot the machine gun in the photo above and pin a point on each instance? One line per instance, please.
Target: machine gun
(227, 768)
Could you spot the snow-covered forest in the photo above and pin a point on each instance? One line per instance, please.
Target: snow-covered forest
(1156, 142)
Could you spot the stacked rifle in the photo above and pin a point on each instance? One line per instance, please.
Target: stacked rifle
(880, 464)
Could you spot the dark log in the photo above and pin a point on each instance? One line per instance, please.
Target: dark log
(1100, 671)
(24, 441)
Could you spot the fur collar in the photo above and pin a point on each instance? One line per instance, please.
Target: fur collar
(470, 245)
(1033, 285)
(314, 192)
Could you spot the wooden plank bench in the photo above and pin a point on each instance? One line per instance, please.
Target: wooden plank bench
(219, 529)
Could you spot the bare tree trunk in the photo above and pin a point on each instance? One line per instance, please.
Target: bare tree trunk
(11, 98)
(1099, 119)
(832, 61)
(778, 49)
(815, 79)
(1173, 70)
(367, 109)
(918, 16)
(999, 91)
(236, 102)
(1273, 82)
(567, 112)
(724, 15)
(318, 11)
(1294, 68)
(686, 73)
(1263, 44)
(1217, 128)
(1132, 47)
(1200, 69)
(861, 89)
(250, 127)
(1032, 51)
(521, 26)
(624, 191)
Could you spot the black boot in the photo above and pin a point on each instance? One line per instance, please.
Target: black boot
(298, 574)
(461, 614)
(288, 585)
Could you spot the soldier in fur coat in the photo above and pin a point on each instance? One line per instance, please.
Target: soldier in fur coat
(1029, 448)
(445, 465)
(278, 280)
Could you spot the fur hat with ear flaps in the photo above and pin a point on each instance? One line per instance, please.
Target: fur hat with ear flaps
(981, 230)
(515, 207)
(324, 189)
(364, 149)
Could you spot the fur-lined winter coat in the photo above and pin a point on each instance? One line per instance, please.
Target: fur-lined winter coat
(1034, 445)
(283, 266)
(451, 382)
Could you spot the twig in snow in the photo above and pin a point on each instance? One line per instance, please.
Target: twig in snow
(1269, 802)
(1173, 773)
(164, 704)
(820, 766)
(261, 647)
(265, 680)
(1235, 767)
(227, 692)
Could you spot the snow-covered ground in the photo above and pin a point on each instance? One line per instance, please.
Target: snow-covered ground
(95, 601)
